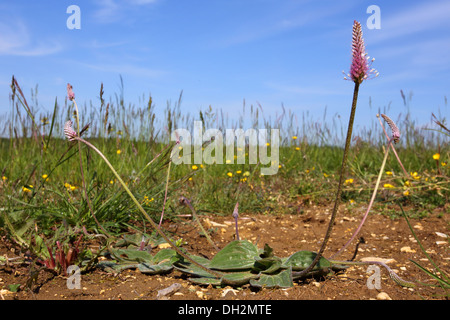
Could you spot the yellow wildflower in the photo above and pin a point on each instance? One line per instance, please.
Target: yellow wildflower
(297, 148)
(415, 175)
(389, 173)
(294, 137)
(4, 178)
(388, 186)
(230, 174)
(194, 167)
(406, 193)
(443, 164)
(246, 174)
(436, 156)
(238, 172)
(70, 187)
(147, 200)
(325, 175)
(348, 181)
(119, 151)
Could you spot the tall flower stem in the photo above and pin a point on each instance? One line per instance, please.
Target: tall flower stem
(184, 200)
(82, 171)
(395, 138)
(165, 194)
(372, 199)
(141, 209)
(341, 183)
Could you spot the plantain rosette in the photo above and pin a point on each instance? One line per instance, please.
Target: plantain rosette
(241, 262)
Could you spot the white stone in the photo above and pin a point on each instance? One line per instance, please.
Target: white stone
(383, 296)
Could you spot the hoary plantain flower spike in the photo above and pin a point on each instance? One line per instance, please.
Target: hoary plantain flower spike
(69, 132)
(360, 68)
(70, 93)
(394, 128)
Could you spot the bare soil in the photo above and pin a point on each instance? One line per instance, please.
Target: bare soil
(384, 238)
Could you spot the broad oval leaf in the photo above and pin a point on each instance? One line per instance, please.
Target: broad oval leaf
(186, 266)
(237, 278)
(164, 254)
(303, 259)
(279, 280)
(159, 268)
(237, 255)
(131, 255)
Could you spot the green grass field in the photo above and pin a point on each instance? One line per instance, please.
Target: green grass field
(42, 186)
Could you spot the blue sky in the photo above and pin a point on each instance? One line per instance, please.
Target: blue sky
(221, 52)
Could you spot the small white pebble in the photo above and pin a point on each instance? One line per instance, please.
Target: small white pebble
(383, 296)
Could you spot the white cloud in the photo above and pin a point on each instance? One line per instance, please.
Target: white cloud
(125, 69)
(114, 10)
(411, 20)
(141, 2)
(413, 42)
(16, 40)
(304, 90)
(108, 11)
(95, 44)
(283, 18)
(419, 52)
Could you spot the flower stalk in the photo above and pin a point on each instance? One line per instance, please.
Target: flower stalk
(359, 71)
(68, 130)
(395, 137)
(236, 217)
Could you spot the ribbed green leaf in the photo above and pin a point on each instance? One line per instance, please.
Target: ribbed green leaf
(302, 259)
(237, 255)
(279, 280)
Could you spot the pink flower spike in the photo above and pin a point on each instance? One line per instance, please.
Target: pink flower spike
(360, 68)
(70, 93)
(69, 132)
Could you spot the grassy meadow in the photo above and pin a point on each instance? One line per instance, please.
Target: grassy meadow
(42, 193)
